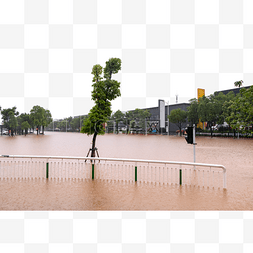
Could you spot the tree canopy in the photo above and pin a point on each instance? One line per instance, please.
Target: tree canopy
(40, 117)
(178, 116)
(240, 110)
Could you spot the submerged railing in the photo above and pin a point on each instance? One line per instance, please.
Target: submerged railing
(129, 170)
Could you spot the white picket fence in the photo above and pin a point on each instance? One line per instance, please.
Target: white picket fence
(115, 169)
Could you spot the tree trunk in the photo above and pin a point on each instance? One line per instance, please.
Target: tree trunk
(93, 154)
(42, 129)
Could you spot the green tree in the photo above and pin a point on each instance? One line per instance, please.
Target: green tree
(104, 91)
(213, 109)
(22, 118)
(227, 109)
(9, 117)
(75, 123)
(218, 100)
(46, 120)
(138, 119)
(40, 117)
(178, 116)
(241, 110)
(36, 114)
(238, 83)
(117, 117)
(192, 112)
(24, 126)
(128, 120)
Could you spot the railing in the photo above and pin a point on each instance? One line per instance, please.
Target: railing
(129, 170)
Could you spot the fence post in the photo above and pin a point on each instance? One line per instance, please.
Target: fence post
(135, 173)
(47, 171)
(180, 176)
(92, 170)
(224, 179)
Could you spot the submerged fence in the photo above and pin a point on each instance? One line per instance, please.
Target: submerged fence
(129, 170)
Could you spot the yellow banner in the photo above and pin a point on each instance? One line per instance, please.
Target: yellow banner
(201, 93)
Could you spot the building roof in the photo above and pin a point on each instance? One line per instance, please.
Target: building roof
(235, 90)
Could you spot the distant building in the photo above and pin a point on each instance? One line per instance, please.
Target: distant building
(155, 123)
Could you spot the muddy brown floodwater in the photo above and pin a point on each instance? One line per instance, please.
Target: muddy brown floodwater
(235, 154)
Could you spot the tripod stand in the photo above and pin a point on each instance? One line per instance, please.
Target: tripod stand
(90, 152)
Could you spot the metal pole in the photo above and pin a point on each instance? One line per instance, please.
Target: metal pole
(194, 155)
(66, 125)
(168, 113)
(180, 176)
(224, 179)
(135, 173)
(92, 171)
(47, 171)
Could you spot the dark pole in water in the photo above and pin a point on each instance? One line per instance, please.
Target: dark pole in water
(92, 170)
(135, 173)
(180, 177)
(47, 171)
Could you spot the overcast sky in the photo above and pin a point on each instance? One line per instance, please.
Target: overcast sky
(48, 48)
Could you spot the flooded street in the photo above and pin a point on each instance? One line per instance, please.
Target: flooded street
(235, 154)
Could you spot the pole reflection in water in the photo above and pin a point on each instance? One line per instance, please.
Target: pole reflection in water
(98, 194)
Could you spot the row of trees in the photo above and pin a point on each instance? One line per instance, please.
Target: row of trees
(136, 120)
(72, 124)
(217, 108)
(20, 123)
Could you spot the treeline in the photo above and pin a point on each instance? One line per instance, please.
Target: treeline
(17, 123)
(71, 124)
(217, 108)
(135, 120)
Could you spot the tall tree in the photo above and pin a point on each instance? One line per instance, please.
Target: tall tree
(117, 117)
(211, 108)
(105, 89)
(192, 111)
(241, 110)
(40, 117)
(138, 118)
(128, 119)
(9, 117)
(47, 119)
(23, 117)
(24, 126)
(37, 115)
(178, 116)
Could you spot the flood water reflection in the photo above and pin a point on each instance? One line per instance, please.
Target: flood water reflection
(236, 155)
